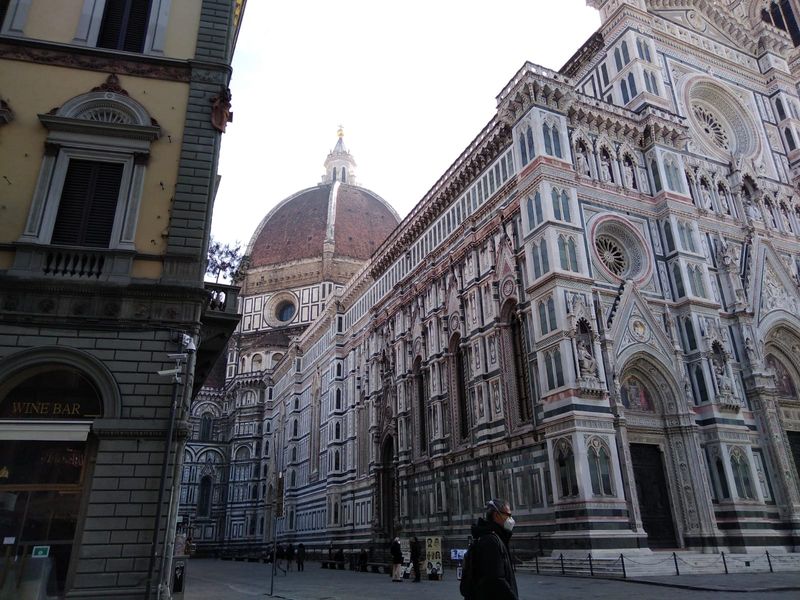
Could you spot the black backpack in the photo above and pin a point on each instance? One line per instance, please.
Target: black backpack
(469, 581)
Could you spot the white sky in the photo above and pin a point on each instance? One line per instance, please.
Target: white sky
(412, 83)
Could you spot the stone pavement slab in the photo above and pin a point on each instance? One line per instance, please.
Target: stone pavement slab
(209, 579)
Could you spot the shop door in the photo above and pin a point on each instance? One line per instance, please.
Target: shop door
(651, 488)
(40, 496)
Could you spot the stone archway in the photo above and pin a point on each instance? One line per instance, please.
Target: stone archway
(666, 463)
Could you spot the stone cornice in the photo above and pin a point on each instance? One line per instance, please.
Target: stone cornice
(96, 59)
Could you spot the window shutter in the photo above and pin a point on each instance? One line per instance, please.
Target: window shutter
(124, 25)
(88, 204)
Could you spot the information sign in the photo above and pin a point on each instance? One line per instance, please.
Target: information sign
(40, 551)
(433, 557)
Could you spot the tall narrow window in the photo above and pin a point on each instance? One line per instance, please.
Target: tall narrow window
(565, 207)
(458, 365)
(632, 85)
(573, 255)
(520, 366)
(626, 57)
(529, 140)
(722, 479)
(599, 469)
(556, 142)
(657, 186)
(556, 204)
(124, 25)
(567, 479)
(419, 380)
(88, 204)
(537, 202)
(204, 497)
(548, 139)
(206, 426)
(741, 475)
(562, 253)
(677, 276)
(780, 109)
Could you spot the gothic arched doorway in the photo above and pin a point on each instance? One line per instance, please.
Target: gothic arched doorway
(387, 487)
(649, 456)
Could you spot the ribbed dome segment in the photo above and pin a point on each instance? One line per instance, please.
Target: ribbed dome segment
(354, 219)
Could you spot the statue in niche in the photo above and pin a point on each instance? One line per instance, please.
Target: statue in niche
(705, 194)
(753, 211)
(629, 174)
(723, 381)
(583, 161)
(586, 361)
(723, 201)
(606, 174)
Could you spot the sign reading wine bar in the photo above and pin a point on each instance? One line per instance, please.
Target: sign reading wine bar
(53, 394)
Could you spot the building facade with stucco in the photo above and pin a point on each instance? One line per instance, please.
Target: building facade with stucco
(593, 313)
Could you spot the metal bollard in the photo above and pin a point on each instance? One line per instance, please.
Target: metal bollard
(675, 560)
(591, 567)
(561, 558)
(724, 563)
(537, 564)
(622, 559)
(770, 563)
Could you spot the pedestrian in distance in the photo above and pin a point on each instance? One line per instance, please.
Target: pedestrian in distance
(488, 572)
(289, 557)
(397, 560)
(301, 557)
(416, 551)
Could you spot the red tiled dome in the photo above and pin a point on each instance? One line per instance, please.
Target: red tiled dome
(299, 227)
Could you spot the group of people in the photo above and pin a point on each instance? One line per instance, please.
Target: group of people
(488, 572)
(397, 558)
(290, 554)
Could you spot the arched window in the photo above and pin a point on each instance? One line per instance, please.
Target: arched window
(520, 365)
(344, 175)
(294, 454)
(623, 88)
(741, 474)
(632, 85)
(293, 479)
(700, 383)
(535, 210)
(529, 141)
(523, 151)
(565, 462)
(548, 139)
(336, 461)
(459, 370)
(626, 57)
(206, 427)
(556, 204)
(338, 369)
(554, 369)
(677, 276)
(657, 186)
(204, 497)
(335, 513)
(256, 364)
(722, 479)
(790, 139)
(337, 431)
(780, 109)
(668, 237)
(562, 253)
(338, 397)
(556, 142)
(617, 59)
(600, 468)
(573, 255)
(780, 15)
(691, 339)
(295, 428)
(565, 214)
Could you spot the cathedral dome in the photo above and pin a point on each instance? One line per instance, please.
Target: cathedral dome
(337, 224)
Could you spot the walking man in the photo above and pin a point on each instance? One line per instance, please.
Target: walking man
(397, 559)
(415, 556)
(301, 557)
(289, 557)
(491, 572)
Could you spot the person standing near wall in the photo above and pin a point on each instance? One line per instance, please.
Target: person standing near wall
(416, 551)
(301, 557)
(397, 559)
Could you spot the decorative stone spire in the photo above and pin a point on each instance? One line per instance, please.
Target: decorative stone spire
(340, 165)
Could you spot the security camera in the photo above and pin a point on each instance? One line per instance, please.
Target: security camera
(168, 372)
(188, 344)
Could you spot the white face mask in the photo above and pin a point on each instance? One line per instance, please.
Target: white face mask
(509, 524)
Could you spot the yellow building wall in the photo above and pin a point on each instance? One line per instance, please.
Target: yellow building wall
(31, 89)
(57, 21)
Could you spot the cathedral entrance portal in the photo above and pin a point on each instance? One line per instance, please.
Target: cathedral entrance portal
(387, 486)
(651, 488)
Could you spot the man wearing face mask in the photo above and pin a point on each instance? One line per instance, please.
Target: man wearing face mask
(494, 577)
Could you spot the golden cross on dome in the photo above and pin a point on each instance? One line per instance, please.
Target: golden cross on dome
(340, 133)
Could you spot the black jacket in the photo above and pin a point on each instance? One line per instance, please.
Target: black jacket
(415, 551)
(493, 570)
(397, 553)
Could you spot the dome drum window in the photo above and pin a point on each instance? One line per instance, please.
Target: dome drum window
(281, 309)
(620, 250)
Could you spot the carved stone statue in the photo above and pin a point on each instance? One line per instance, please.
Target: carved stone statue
(629, 175)
(705, 193)
(583, 162)
(586, 362)
(723, 202)
(605, 168)
(753, 211)
(723, 381)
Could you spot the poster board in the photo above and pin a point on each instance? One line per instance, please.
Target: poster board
(433, 557)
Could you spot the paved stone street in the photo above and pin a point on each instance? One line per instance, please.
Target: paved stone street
(223, 580)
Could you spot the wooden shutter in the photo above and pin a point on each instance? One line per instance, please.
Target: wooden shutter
(88, 204)
(124, 25)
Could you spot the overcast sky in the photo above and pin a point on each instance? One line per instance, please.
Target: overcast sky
(411, 82)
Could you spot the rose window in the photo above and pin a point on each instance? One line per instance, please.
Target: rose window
(620, 250)
(711, 126)
(611, 254)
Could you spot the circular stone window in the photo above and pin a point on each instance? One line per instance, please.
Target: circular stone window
(620, 250)
(285, 311)
(723, 126)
